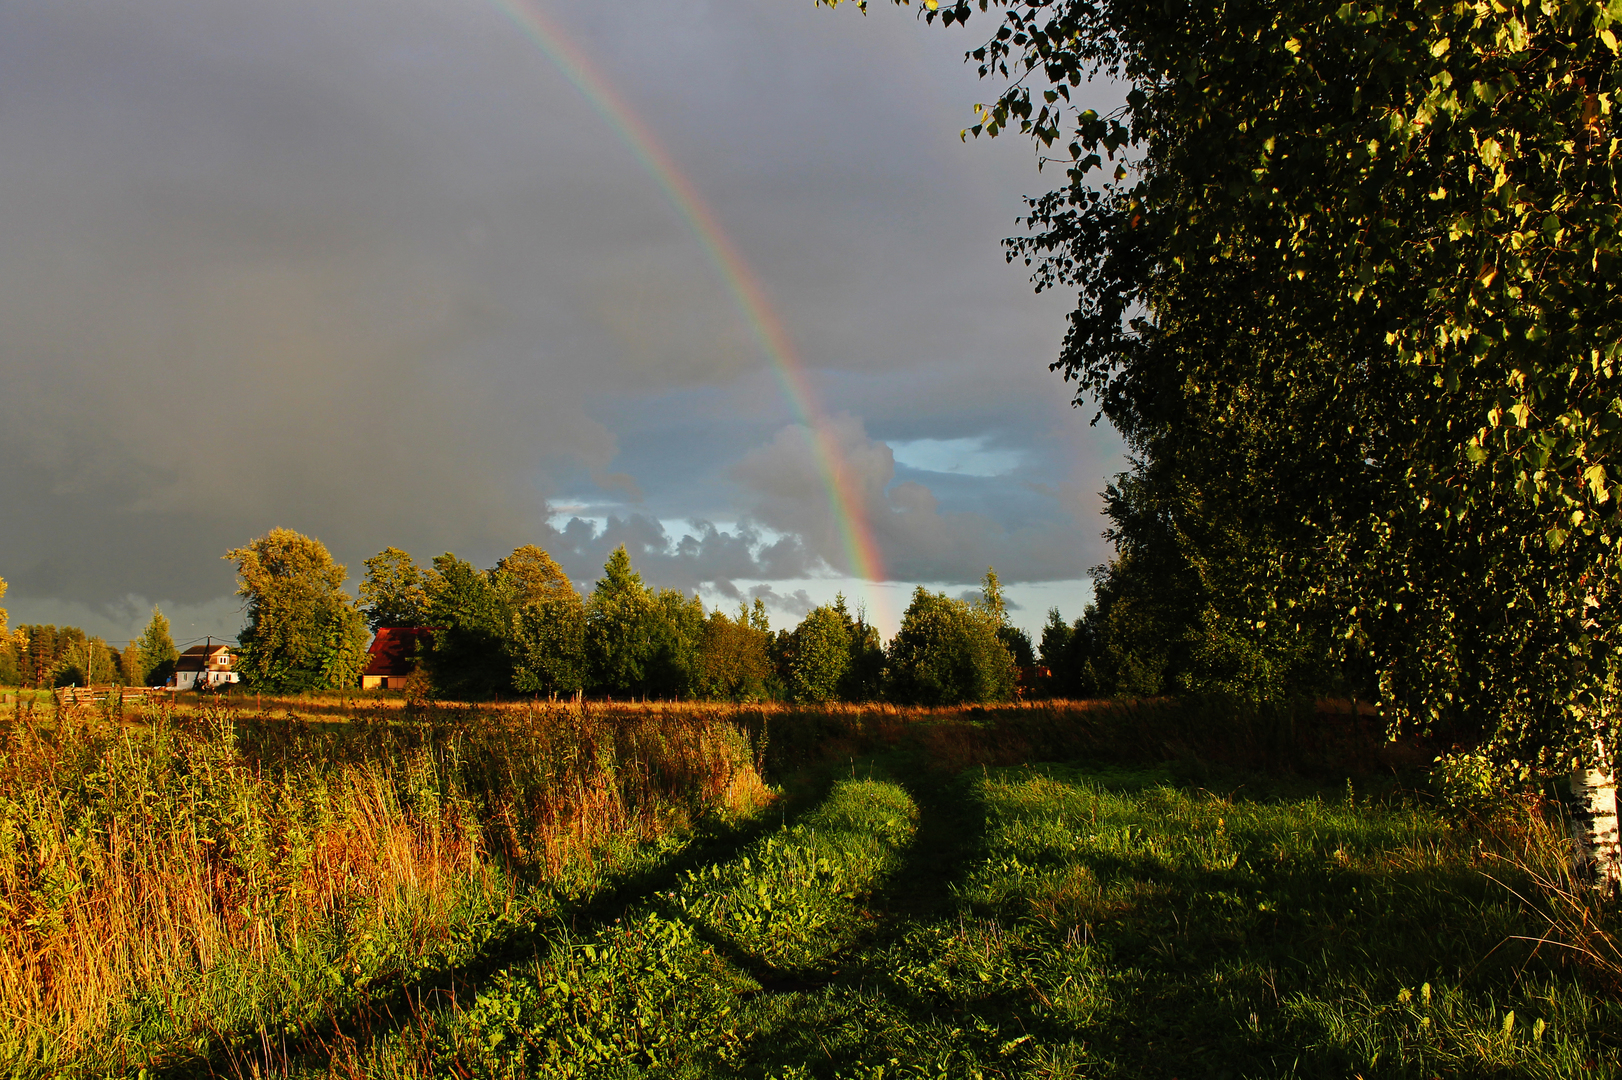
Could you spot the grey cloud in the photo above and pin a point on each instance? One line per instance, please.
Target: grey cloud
(919, 540)
(375, 271)
(702, 557)
(796, 604)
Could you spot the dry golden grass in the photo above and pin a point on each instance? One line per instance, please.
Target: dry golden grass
(175, 876)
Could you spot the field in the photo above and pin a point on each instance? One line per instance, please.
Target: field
(1073, 889)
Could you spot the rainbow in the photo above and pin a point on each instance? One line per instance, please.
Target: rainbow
(844, 500)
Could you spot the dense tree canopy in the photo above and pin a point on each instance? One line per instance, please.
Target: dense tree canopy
(619, 628)
(471, 611)
(394, 591)
(1347, 284)
(734, 656)
(947, 652)
(548, 644)
(303, 631)
(818, 655)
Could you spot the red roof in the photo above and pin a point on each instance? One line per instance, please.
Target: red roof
(394, 650)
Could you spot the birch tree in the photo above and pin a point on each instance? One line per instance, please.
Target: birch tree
(1345, 278)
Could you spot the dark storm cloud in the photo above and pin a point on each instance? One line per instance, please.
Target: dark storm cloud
(374, 271)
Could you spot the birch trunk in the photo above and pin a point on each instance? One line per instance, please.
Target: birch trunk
(1598, 858)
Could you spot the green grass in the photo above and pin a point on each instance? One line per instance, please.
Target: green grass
(665, 987)
(1050, 922)
(593, 896)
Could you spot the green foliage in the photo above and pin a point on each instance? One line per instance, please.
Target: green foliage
(946, 653)
(818, 654)
(548, 645)
(675, 633)
(394, 591)
(52, 656)
(865, 674)
(620, 628)
(10, 669)
(1342, 274)
(1018, 644)
(303, 631)
(472, 615)
(734, 661)
(155, 652)
(1472, 782)
(533, 576)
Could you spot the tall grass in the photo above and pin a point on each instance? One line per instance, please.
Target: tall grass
(168, 882)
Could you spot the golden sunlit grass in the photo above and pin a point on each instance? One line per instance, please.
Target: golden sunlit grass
(172, 877)
(178, 883)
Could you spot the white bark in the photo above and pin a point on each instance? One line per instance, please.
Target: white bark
(1598, 857)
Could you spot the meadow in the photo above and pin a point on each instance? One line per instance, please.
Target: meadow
(317, 887)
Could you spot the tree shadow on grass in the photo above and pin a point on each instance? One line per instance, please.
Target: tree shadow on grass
(389, 1006)
(1196, 979)
(816, 1019)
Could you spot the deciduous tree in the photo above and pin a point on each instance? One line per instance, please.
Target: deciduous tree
(303, 631)
(472, 615)
(1345, 278)
(394, 591)
(619, 628)
(534, 576)
(675, 634)
(548, 645)
(734, 662)
(947, 653)
(818, 655)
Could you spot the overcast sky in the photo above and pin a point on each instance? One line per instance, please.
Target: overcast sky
(374, 270)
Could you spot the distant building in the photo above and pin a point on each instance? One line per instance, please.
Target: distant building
(392, 656)
(203, 665)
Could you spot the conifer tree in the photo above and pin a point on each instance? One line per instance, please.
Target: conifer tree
(155, 652)
(619, 626)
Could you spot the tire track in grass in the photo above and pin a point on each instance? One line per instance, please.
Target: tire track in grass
(662, 989)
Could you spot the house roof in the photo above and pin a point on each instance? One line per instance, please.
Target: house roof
(394, 650)
(197, 657)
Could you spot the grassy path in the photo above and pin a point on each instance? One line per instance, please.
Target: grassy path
(1044, 922)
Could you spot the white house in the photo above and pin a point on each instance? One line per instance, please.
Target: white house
(203, 665)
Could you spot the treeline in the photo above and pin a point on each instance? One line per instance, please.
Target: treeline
(44, 655)
(521, 628)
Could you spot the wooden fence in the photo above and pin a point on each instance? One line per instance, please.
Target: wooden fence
(95, 695)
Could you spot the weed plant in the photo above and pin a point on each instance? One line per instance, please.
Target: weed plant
(174, 883)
